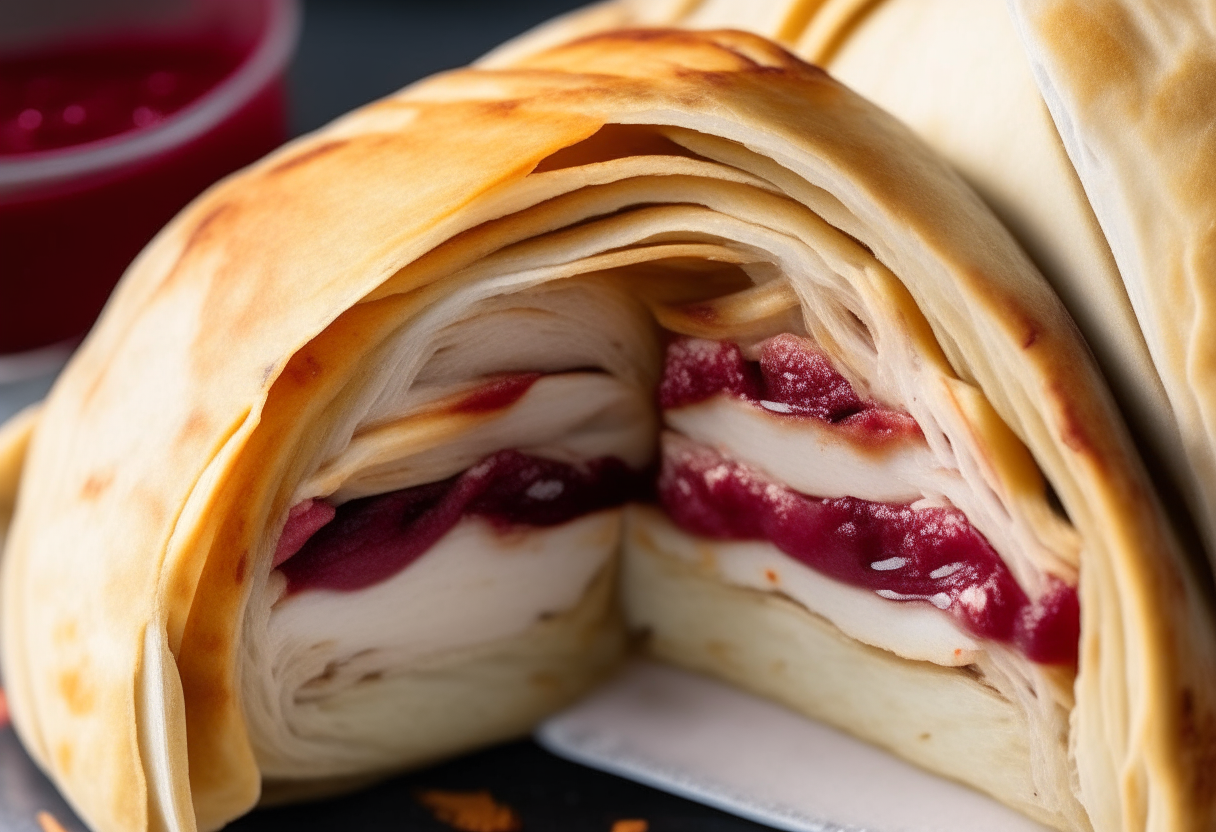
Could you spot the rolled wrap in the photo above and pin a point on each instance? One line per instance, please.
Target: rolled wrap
(490, 263)
(958, 74)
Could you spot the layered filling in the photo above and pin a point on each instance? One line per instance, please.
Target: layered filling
(780, 450)
(848, 501)
(520, 531)
(366, 541)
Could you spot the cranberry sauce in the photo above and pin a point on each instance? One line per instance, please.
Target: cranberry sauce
(303, 521)
(792, 378)
(496, 394)
(902, 553)
(371, 539)
(71, 97)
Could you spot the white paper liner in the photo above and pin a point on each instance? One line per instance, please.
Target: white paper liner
(689, 735)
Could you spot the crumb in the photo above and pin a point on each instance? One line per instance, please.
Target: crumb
(631, 825)
(48, 823)
(3, 709)
(470, 811)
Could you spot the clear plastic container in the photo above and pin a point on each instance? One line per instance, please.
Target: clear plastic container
(107, 129)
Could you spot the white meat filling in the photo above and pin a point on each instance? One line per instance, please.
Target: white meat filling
(309, 652)
(820, 459)
(913, 631)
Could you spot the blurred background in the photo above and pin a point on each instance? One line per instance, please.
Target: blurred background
(115, 113)
(353, 51)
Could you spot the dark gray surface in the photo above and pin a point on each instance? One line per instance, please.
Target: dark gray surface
(355, 51)
(550, 795)
(24, 791)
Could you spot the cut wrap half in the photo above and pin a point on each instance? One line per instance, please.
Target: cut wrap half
(957, 73)
(335, 486)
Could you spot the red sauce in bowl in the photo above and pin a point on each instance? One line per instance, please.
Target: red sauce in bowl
(68, 98)
(103, 141)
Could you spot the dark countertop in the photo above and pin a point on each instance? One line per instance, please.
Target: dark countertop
(355, 51)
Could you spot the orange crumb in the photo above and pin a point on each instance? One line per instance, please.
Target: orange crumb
(3, 709)
(771, 575)
(470, 811)
(48, 823)
(632, 825)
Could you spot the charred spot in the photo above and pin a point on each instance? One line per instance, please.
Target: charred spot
(303, 368)
(309, 155)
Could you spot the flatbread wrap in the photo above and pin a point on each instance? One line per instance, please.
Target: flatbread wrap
(959, 74)
(336, 486)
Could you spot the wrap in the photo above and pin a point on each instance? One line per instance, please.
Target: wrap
(335, 486)
(1131, 87)
(958, 74)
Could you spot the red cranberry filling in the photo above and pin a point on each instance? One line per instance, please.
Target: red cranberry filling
(371, 539)
(497, 394)
(904, 554)
(792, 378)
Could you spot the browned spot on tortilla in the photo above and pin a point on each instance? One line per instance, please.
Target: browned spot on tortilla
(66, 632)
(306, 156)
(151, 503)
(1100, 41)
(195, 427)
(76, 692)
(241, 565)
(96, 484)
(1032, 335)
(501, 108)
(303, 368)
(63, 757)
